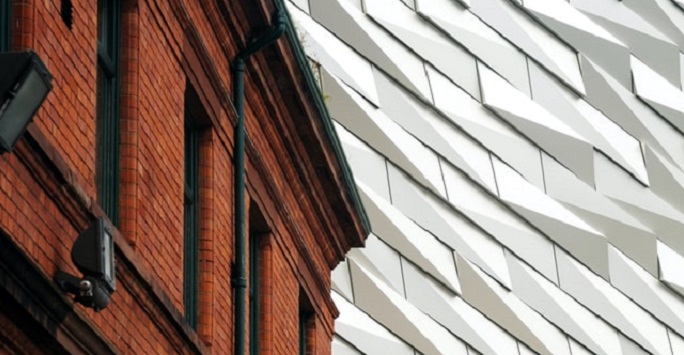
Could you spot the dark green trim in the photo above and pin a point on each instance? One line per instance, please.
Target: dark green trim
(311, 86)
(191, 225)
(238, 72)
(303, 320)
(5, 25)
(108, 92)
(254, 299)
(239, 281)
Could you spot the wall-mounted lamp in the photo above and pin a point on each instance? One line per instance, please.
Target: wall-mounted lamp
(24, 85)
(93, 255)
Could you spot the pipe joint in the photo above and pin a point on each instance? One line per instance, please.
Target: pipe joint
(270, 36)
(240, 282)
(237, 65)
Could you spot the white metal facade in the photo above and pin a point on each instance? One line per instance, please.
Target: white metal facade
(522, 165)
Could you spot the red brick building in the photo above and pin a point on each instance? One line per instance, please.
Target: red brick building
(139, 129)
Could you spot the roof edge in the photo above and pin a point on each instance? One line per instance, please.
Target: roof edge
(326, 120)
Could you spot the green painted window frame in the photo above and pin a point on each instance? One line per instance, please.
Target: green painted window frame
(107, 172)
(191, 222)
(254, 295)
(302, 335)
(303, 321)
(5, 25)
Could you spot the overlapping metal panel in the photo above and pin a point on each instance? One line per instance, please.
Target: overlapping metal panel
(522, 164)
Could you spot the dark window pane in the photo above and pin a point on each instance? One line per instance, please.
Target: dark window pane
(99, 139)
(191, 226)
(101, 19)
(302, 333)
(107, 146)
(5, 25)
(254, 298)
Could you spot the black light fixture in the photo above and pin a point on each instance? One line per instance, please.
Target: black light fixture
(24, 85)
(93, 255)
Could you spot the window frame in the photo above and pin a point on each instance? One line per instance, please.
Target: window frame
(191, 218)
(254, 294)
(5, 26)
(107, 174)
(303, 320)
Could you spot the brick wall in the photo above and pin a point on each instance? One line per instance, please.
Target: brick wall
(47, 189)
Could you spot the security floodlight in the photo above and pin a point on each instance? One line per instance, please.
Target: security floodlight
(24, 85)
(93, 255)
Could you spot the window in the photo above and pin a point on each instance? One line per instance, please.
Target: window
(260, 281)
(198, 255)
(254, 296)
(5, 25)
(107, 159)
(191, 222)
(303, 320)
(305, 324)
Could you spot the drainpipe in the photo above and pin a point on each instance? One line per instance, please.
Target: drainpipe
(238, 69)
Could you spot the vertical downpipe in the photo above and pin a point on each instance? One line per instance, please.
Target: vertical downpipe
(240, 282)
(238, 69)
